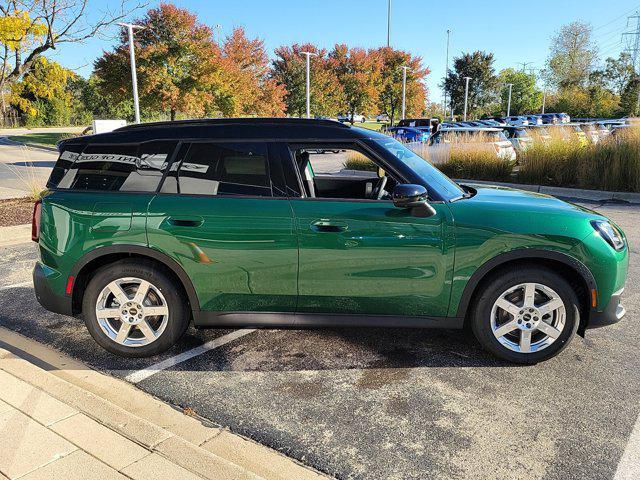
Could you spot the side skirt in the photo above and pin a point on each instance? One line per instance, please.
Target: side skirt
(204, 319)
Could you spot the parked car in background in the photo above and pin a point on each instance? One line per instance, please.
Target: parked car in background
(357, 118)
(519, 137)
(591, 132)
(534, 119)
(539, 133)
(578, 133)
(432, 123)
(409, 135)
(491, 123)
(382, 118)
(549, 119)
(564, 117)
(519, 120)
(469, 138)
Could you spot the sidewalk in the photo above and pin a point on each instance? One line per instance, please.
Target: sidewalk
(61, 420)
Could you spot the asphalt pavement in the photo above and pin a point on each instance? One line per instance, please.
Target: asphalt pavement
(386, 403)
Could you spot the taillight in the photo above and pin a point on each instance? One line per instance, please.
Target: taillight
(35, 221)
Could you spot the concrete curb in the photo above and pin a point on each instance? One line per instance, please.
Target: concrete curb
(15, 235)
(191, 442)
(574, 193)
(40, 146)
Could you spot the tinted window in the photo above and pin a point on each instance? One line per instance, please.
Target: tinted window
(127, 168)
(68, 155)
(223, 169)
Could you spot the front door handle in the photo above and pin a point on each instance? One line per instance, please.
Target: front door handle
(185, 221)
(328, 227)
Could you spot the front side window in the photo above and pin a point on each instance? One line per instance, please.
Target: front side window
(222, 169)
(125, 168)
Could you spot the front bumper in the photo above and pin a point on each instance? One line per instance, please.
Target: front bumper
(612, 314)
(44, 293)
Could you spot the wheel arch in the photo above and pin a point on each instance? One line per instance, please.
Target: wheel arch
(572, 269)
(99, 257)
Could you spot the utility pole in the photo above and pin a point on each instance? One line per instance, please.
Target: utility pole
(466, 96)
(134, 78)
(510, 85)
(308, 55)
(544, 100)
(633, 46)
(389, 23)
(404, 90)
(524, 65)
(446, 74)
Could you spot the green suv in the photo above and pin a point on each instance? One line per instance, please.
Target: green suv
(255, 222)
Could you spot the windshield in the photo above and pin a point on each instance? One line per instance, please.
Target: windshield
(522, 134)
(427, 172)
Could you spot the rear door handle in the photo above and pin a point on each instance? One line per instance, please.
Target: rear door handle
(328, 227)
(185, 221)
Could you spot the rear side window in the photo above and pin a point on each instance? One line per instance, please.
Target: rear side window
(222, 169)
(68, 155)
(125, 168)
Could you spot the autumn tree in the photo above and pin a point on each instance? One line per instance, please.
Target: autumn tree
(572, 57)
(482, 86)
(357, 72)
(178, 63)
(389, 82)
(30, 28)
(289, 70)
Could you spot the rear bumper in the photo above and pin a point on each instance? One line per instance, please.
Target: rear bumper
(44, 293)
(612, 314)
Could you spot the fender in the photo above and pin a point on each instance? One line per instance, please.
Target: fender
(521, 254)
(141, 250)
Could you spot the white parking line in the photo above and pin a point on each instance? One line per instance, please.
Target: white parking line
(629, 466)
(140, 375)
(16, 285)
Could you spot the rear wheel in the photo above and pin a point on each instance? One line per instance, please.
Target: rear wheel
(526, 316)
(133, 309)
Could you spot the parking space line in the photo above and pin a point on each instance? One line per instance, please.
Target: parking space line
(629, 466)
(16, 285)
(140, 375)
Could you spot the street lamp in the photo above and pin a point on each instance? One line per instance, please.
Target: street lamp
(389, 24)
(404, 90)
(466, 96)
(510, 85)
(134, 77)
(308, 55)
(544, 100)
(446, 73)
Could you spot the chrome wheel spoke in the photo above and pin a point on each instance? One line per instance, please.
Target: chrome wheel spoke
(123, 332)
(547, 329)
(108, 313)
(508, 307)
(117, 291)
(529, 294)
(153, 311)
(525, 341)
(146, 330)
(508, 327)
(142, 291)
(550, 306)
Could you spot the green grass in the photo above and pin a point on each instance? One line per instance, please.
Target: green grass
(370, 125)
(48, 138)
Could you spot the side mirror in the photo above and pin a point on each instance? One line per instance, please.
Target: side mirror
(406, 195)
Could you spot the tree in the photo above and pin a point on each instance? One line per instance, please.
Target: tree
(357, 72)
(630, 97)
(289, 70)
(178, 64)
(47, 95)
(572, 57)
(482, 86)
(389, 85)
(29, 28)
(618, 72)
(525, 97)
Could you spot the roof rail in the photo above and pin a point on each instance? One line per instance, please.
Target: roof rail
(237, 121)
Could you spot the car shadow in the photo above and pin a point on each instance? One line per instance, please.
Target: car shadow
(34, 163)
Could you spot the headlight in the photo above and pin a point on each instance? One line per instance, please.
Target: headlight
(610, 233)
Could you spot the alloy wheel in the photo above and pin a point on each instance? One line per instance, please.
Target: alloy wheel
(528, 317)
(132, 312)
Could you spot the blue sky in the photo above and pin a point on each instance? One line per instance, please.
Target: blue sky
(514, 31)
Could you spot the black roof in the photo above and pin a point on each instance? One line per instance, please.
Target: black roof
(264, 129)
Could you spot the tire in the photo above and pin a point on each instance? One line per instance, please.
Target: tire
(502, 318)
(158, 332)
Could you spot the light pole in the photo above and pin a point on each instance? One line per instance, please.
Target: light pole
(389, 24)
(544, 99)
(308, 55)
(510, 85)
(446, 74)
(218, 36)
(404, 90)
(134, 77)
(466, 96)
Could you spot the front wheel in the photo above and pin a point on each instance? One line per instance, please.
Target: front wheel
(133, 309)
(526, 316)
